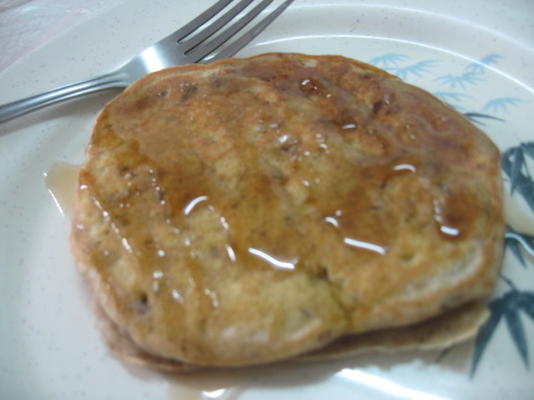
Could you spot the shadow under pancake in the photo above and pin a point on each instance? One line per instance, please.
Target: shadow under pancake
(230, 383)
(363, 359)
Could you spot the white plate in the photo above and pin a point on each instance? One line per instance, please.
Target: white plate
(476, 55)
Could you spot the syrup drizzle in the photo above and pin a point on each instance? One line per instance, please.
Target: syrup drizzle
(60, 181)
(186, 177)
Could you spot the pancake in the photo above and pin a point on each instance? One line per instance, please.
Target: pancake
(441, 332)
(253, 210)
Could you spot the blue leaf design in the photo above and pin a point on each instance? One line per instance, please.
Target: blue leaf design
(515, 247)
(452, 99)
(509, 283)
(417, 69)
(508, 306)
(450, 96)
(528, 148)
(478, 67)
(517, 164)
(490, 59)
(514, 166)
(526, 302)
(474, 117)
(475, 68)
(501, 104)
(515, 327)
(506, 160)
(486, 332)
(461, 81)
(388, 60)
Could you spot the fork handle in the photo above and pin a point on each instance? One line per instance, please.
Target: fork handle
(20, 107)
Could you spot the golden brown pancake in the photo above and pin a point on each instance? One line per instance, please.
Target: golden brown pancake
(253, 210)
(443, 331)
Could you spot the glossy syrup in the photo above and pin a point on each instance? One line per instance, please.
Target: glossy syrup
(271, 191)
(60, 181)
(269, 201)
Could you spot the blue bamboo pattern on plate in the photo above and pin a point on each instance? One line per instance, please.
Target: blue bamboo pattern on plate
(501, 104)
(511, 304)
(391, 62)
(509, 307)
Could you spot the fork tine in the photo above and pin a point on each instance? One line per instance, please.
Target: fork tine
(203, 50)
(198, 21)
(245, 39)
(214, 26)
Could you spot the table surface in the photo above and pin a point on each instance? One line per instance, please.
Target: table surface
(26, 25)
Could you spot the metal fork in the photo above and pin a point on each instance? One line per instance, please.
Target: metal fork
(187, 45)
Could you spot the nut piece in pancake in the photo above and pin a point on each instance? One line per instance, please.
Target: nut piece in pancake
(252, 210)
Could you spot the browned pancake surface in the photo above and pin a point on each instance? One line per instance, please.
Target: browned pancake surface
(255, 209)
